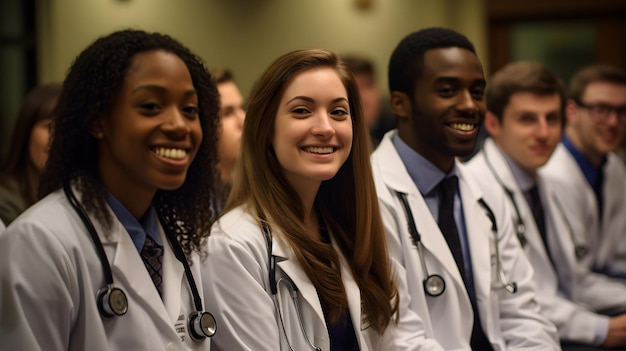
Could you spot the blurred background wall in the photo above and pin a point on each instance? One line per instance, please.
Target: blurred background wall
(40, 38)
(244, 35)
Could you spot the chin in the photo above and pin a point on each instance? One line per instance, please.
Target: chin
(170, 184)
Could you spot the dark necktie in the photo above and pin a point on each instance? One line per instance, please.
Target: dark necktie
(534, 200)
(152, 255)
(447, 189)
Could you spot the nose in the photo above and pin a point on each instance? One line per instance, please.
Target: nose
(323, 126)
(176, 124)
(542, 127)
(467, 104)
(241, 116)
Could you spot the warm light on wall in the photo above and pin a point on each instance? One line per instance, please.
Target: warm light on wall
(364, 4)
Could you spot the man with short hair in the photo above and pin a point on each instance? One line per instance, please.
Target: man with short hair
(590, 177)
(524, 120)
(467, 276)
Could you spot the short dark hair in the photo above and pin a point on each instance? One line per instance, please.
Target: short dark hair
(517, 77)
(358, 64)
(407, 59)
(593, 73)
(222, 75)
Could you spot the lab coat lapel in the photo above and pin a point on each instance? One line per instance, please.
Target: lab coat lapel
(130, 274)
(286, 262)
(480, 238)
(532, 235)
(431, 236)
(172, 271)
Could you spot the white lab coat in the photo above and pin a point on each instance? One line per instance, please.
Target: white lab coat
(510, 321)
(237, 289)
(606, 239)
(2, 227)
(50, 273)
(581, 290)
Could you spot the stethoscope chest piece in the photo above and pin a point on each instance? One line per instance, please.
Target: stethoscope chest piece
(434, 285)
(111, 302)
(201, 325)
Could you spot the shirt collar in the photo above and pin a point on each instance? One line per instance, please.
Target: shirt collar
(591, 173)
(524, 180)
(137, 229)
(425, 174)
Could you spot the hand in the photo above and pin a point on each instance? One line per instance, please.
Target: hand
(616, 336)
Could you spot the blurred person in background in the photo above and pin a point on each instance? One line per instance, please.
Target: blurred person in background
(589, 176)
(525, 119)
(378, 116)
(232, 115)
(28, 151)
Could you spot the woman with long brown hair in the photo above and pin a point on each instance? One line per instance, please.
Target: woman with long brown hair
(298, 260)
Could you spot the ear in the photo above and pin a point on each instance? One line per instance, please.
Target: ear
(571, 109)
(400, 104)
(492, 125)
(96, 128)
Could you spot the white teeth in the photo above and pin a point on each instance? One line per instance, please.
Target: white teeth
(319, 150)
(175, 154)
(466, 127)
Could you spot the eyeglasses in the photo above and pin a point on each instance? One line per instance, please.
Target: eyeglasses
(602, 112)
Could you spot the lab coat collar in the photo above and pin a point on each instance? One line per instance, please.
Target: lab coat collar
(494, 155)
(396, 177)
(286, 260)
(122, 254)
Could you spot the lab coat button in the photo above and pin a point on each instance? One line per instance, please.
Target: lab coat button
(171, 347)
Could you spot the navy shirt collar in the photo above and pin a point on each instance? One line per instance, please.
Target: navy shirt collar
(592, 173)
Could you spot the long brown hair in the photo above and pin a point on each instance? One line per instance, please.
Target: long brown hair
(37, 105)
(347, 202)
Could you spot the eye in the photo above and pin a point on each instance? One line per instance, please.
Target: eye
(190, 111)
(300, 111)
(340, 114)
(478, 93)
(149, 108)
(553, 118)
(446, 91)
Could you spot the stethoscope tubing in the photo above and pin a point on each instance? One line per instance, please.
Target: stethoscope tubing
(201, 324)
(435, 280)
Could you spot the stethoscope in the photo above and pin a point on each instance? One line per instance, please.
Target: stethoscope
(112, 300)
(434, 284)
(579, 249)
(293, 290)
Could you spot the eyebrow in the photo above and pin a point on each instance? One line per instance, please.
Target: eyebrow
(160, 89)
(308, 99)
(480, 81)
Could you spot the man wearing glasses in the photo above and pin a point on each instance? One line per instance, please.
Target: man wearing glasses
(591, 178)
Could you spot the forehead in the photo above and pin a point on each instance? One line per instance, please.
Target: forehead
(451, 62)
(157, 65)
(322, 80)
(606, 92)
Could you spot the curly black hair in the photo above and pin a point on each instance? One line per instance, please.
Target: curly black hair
(89, 90)
(407, 59)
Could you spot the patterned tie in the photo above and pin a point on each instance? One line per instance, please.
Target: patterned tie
(447, 189)
(152, 255)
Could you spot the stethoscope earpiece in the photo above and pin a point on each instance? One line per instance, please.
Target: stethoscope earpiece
(111, 302)
(201, 326)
